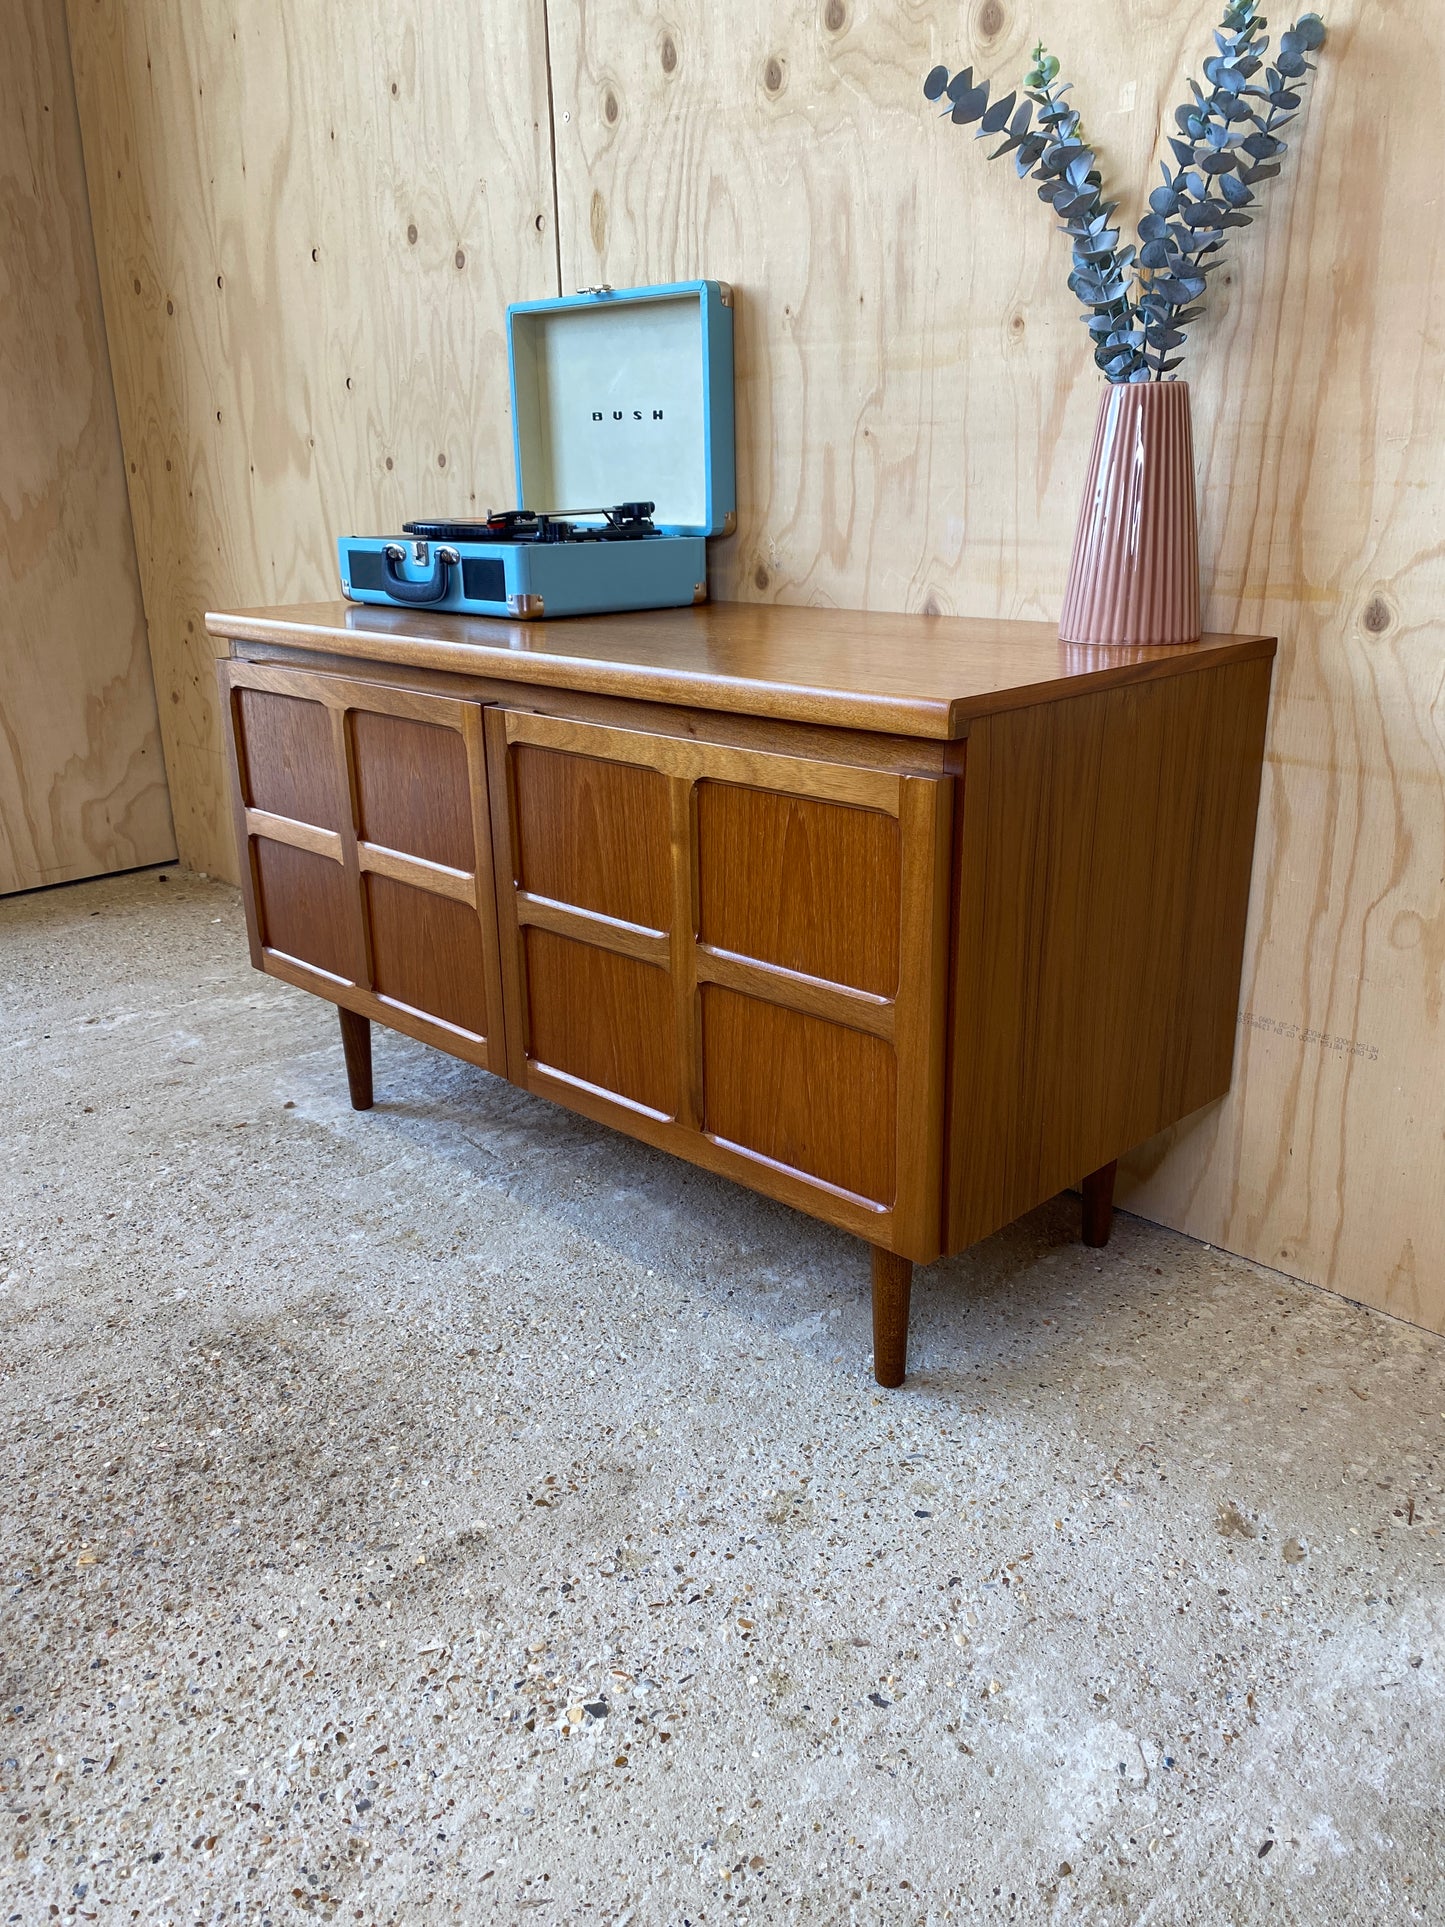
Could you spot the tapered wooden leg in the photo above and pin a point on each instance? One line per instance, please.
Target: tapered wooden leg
(356, 1043)
(1099, 1204)
(892, 1286)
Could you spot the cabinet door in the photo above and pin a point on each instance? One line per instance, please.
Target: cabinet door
(361, 816)
(736, 955)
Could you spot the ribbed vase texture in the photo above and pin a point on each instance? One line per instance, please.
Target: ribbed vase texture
(1134, 578)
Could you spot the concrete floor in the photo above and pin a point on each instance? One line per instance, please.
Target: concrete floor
(458, 1512)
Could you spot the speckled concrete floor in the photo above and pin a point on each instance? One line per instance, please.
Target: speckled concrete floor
(460, 1513)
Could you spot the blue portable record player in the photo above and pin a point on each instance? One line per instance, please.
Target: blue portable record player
(622, 425)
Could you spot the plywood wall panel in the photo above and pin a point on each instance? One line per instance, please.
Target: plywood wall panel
(309, 220)
(82, 785)
(915, 404)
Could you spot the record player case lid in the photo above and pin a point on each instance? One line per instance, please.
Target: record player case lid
(624, 395)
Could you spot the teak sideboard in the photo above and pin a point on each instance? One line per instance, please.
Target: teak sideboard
(910, 922)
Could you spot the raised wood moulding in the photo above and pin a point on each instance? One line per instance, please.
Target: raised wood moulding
(815, 996)
(416, 870)
(591, 926)
(301, 836)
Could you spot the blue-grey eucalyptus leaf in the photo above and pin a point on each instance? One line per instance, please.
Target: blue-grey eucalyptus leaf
(1139, 300)
(996, 119)
(970, 105)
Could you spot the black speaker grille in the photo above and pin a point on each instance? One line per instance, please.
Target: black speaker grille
(484, 578)
(367, 571)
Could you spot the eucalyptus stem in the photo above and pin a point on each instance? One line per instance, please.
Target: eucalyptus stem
(1141, 301)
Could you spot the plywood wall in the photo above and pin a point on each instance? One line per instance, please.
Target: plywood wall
(82, 786)
(915, 405)
(310, 218)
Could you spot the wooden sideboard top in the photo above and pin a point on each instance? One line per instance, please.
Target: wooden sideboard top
(906, 675)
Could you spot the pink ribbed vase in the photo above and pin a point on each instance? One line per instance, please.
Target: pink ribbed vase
(1134, 578)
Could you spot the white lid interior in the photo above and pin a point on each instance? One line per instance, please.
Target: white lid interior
(610, 408)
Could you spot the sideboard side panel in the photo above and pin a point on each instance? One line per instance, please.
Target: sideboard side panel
(1102, 887)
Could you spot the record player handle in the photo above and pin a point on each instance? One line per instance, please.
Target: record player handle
(431, 588)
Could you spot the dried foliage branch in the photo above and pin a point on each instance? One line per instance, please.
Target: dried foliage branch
(1141, 300)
